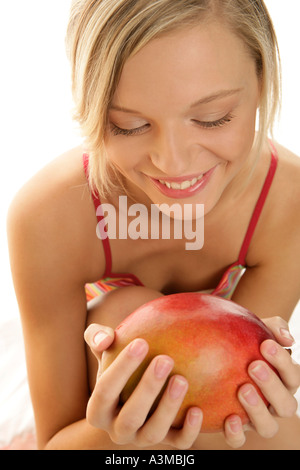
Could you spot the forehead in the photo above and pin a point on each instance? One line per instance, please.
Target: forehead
(184, 64)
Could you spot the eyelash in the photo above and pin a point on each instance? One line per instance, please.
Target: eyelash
(205, 125)
(127, 132)
(213, 124)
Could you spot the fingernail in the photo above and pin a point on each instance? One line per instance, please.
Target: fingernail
(250, 395)
(235, 425)
(99, 337)
(178, 386)
(194, 417)
(137, 347)
(286, 334)
(272, 349)
(162, 367)
(260, 372)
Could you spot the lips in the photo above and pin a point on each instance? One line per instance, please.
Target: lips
(183, 187)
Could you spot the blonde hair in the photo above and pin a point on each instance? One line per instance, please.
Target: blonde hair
(103, 34)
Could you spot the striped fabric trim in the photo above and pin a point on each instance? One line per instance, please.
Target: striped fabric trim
(106, 285)
(229, 281)
(225, 289)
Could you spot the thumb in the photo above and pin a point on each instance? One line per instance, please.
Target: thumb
(99, 338)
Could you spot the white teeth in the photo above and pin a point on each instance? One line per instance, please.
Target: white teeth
(183, 185)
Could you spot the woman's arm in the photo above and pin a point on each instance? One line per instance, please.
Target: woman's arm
(50, 237)
(48, 262)
(271, 290)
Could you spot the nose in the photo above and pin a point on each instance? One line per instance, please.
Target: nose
(169, 152)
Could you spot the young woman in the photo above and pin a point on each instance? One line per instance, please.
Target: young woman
(167, 94)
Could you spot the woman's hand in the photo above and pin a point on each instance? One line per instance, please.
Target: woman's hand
(279, 391)
(128, 424)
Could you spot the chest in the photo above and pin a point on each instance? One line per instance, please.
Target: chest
(172, 265)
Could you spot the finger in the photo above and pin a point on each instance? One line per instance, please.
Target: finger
(282, 361)
(105, 397)
(280, 329)
(184, 438)
(234, 432)
(158, 425)
(99, 338)
(273, 389)
(136, 409)
(264, 423)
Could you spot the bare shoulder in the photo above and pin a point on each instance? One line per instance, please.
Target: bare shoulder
(49, 185)
(281, 210)
(49, 191)
(288, 178)
(271, 285)
(55, 207)
(285, 198)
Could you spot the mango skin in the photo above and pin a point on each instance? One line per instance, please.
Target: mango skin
(212, 341)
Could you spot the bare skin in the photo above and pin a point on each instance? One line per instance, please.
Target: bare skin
(55, 251)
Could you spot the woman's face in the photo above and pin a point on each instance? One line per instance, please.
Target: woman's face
(182, 120)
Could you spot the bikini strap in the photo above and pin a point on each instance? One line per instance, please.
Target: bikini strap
(100, 217)
(259, 206)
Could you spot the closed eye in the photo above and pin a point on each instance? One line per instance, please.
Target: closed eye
(116, 130)
(128, 132)
(215, 124)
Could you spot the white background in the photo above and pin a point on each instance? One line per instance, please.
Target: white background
(36, 126)
(36, 104)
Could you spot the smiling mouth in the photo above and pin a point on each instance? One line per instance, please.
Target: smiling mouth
(183, 185)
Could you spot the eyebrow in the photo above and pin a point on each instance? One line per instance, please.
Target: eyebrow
(216, 96)
(207, 99)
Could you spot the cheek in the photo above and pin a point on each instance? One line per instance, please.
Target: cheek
(122, 153)
(240, 143)
(236, 142)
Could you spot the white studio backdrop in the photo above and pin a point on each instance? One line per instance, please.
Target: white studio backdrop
(36, 104)
(36, 126)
